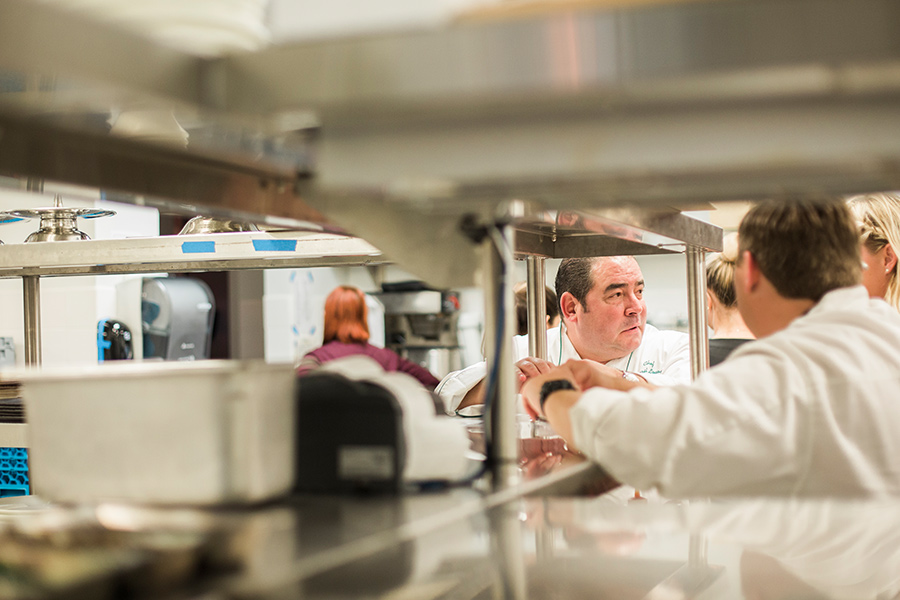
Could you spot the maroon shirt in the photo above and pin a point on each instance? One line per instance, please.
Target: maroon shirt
(387, 358)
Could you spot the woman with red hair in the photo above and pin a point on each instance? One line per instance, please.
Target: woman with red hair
(347, 333)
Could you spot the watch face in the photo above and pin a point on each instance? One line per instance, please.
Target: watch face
(630, 376)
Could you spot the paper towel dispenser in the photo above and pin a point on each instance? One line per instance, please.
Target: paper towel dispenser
(176, 318)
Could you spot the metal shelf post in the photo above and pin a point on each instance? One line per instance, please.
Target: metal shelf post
(31, 292)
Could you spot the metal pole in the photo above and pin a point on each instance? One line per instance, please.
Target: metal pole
(506, 530)
(696, 280)
(537, 307)
(31, 295)
(696, 285)
(697, 552)
(500, 304)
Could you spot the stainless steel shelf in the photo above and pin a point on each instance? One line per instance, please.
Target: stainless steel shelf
(181, 254)
(395, 137)
(650, 106)
(613, 232)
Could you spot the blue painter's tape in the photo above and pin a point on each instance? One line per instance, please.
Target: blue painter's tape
(197, 247)
(274, 245)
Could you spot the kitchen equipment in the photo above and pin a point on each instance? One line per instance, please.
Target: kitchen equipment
(360, 428)
(199, 433)
(176, 318)
(114, 341)
(58, 222)
(421, 325)
(201, 224)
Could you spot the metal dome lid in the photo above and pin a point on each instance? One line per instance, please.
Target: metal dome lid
(202, 224)
(58, 211)
(58, 221)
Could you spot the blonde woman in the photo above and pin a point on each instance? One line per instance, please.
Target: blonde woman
(879, 221)
(729, 329)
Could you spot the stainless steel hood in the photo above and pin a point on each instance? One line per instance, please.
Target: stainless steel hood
(395, 137)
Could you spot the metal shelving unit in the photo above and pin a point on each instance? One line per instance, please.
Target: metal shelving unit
(171, 254)
(165, 254)
(185, 254)
(396, 137)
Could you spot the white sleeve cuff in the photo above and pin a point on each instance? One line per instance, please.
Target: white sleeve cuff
(454, 387)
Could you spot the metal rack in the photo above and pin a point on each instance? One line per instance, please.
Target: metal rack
(396, 137)
(165, 254)
(185, 254)
(171, 254)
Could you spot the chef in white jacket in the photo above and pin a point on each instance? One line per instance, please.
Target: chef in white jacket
(810, 408)
(604, 319)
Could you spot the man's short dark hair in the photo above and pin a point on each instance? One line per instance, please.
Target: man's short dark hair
(805, 247)
(576, 276)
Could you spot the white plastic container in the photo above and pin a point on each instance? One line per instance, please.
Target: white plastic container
(198, 433)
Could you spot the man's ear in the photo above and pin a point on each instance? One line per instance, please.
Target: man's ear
(752, 274)
(568, 305)
(890, 258)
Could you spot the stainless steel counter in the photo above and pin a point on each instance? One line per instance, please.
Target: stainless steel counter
(602, 548)
(462, 544)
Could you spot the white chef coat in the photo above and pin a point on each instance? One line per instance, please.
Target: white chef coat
(663, 358)
(813, 409)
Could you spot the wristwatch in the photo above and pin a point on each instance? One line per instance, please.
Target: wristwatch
(629, 376)
(554, 385)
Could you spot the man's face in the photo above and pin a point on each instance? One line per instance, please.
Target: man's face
(611, 324)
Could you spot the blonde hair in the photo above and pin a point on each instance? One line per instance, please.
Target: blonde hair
(720, 272)
(879, 225)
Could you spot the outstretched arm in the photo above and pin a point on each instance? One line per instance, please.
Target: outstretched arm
(583, 374)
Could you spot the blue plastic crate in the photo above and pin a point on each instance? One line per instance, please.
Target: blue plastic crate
(14, 472)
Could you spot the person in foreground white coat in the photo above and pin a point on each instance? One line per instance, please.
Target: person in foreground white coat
(604, 318)
(810, 408)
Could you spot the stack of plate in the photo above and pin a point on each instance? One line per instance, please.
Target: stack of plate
(201, 27)
(11, 408)
(12, 411)
(9, 389)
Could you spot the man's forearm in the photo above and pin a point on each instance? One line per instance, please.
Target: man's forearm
(556, 411)
(473, 396)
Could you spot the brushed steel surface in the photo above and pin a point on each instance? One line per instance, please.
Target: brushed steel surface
(697, 329)
(201, 433)
(536, 306)
(199, 225)
(653, 105)
(31, 302)
(232, 251)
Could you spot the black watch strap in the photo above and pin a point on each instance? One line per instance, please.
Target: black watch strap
(554, 385)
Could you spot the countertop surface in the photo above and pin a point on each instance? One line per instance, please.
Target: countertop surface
(545, 539)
